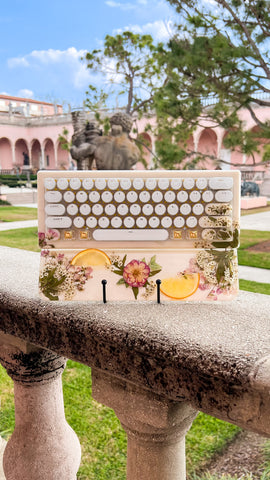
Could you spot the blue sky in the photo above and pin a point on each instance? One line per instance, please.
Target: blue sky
(42, 42)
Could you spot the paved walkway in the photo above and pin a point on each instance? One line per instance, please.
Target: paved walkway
(256, 221)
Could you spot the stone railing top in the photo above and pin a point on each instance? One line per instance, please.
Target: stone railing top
(217, 356)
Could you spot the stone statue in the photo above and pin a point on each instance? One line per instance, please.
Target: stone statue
(111, 152)
(250, 188)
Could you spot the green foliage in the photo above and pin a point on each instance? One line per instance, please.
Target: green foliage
(129, 66)
(64, 141)
(219, 51)
(255, 287)
(15, 180)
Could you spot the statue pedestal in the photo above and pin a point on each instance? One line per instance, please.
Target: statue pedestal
(253, 202)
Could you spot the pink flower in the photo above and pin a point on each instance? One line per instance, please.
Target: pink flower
(45, 253)
(52, 234)
(136, 273)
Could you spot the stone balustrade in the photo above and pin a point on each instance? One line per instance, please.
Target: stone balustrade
(155, 365)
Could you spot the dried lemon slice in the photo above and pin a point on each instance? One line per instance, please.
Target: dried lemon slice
(180, 287)
(91, 257)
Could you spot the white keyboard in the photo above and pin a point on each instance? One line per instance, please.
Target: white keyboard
(138, 235)
(174, 208)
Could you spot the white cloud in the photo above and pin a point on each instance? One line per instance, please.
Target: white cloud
(122, 6)
(26, 93)
(65, 63)
(47, 57)
(160, 30)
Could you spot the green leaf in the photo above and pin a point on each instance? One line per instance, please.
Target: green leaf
(121, 281)
(135, 292)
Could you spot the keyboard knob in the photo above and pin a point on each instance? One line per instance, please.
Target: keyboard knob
(141, 222)
(182, 196)
(110, 209)
(129, 222)
(201, 183)
(100, 183)
(85, 209)
(188, 183)
(91, 222)
(154, 222)
(75, 183)
(69, 196)
(87, 183)
(166, 222)
(49, 183)
(138, 183)
(72, 209)
(116, 222)
(62, 183)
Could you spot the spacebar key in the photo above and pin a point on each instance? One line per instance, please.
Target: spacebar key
(125, 235)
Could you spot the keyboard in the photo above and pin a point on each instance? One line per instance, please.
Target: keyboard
(174, 214)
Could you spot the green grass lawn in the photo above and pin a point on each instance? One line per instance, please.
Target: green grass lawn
(15, 214)
(248, 238)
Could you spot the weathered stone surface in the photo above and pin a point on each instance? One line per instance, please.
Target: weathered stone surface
(213, 355)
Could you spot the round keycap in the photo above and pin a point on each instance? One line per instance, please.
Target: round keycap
(135, 209)
(78, 222)
(195, 196)
(198, 209)
(94, 197)
(49, 183)
(112, 183)
(100, 183)
(62, 183)
(69, 196)
(160, 209)
(87, 183)
(185, 209)
(157, 197)
(81, 196)
(129, 222)
(132, 197)
(103, 222)
(85, 209)
(141, 222)
(207, 196)
(188, 183)
(125, 183)
(97, 209)
(116, 222)
(147, 209)
(172, 209)
(144, 197)
(72, 209)
(169, 196)
(201, 183)
(107, 196)
(119, 196)
(166, 222)
(182, 196)
(91, 222)
(75, 183)
(110, 209)
(138, 183)
(179, 222)
(150, 183)
(154, 222)
(122, 209)
(176, 183)
(191, 222)
(163, 183)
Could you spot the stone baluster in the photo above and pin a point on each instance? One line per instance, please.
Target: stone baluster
(43, 445)
(155, 427)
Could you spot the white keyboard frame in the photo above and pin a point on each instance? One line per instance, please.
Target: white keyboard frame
(157, 174)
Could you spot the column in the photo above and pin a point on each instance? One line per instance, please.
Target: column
(43, 445)
(155, 427)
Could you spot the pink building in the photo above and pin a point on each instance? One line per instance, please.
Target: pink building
(30, 129)
(29, 134)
